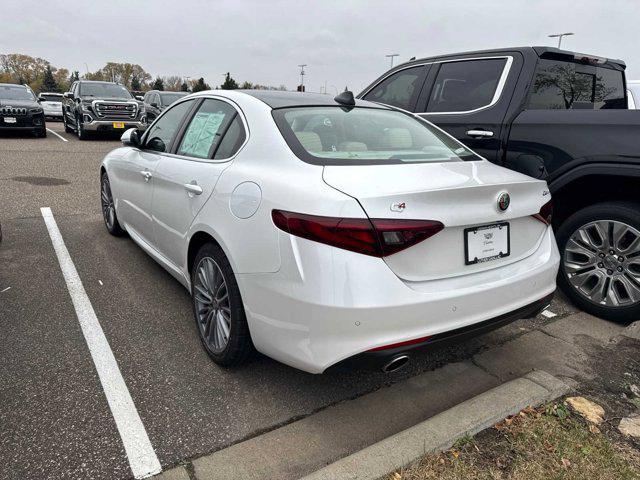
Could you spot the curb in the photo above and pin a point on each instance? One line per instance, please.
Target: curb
(441, 431)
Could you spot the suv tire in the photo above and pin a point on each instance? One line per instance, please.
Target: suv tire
(80, 131)
(600, 260)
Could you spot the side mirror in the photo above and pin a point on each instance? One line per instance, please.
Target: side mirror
(68, 95)
(131, 138)
(154, 105)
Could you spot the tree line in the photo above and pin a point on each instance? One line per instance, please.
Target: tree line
(41, 76)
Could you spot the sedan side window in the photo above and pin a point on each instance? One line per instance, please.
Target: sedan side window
(164, 129)
(207, 126)
(400, 89)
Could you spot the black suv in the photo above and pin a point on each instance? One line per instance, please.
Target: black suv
(91, 106)
(20, 110)
(551, 114)
(155, 101)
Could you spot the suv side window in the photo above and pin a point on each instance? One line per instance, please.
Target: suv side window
(565, 85)
(466, 85)
(208, 125)
(400, 89)
(161, 133)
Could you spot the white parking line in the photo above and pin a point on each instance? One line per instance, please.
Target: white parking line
(57, 135)
(140, 453)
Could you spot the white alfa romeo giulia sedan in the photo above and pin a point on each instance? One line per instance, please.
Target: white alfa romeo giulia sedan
(328, 233)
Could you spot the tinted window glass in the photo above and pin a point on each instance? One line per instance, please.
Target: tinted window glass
(170, 97)
(564, 85)
(104, 90)
(232, 141)
(15, 92)
(48, 97)
(399, 89)
(334, 136)
(467, 85)
(205, 129)
(164, 129)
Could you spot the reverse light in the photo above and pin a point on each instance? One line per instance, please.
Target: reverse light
(375, 237)
(546, 213)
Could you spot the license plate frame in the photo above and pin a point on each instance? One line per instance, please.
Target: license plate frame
(472, 242)
(118, 125)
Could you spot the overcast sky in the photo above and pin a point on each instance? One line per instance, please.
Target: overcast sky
(343, 42)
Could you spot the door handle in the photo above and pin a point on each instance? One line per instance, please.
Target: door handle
(193, 188)
(146, 174)
(480, 133)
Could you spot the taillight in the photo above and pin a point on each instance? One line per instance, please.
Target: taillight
(546, 213)
(375, 237)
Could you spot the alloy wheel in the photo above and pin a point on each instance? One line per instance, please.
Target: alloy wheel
(213, 310)
(106, 200)
(602, 263)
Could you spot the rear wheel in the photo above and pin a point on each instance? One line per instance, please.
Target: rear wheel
(600, 267)
(108, 208)
(217, 307)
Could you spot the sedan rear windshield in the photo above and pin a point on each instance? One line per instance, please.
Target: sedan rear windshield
(10, 92)
(362, 135)
(104, 90)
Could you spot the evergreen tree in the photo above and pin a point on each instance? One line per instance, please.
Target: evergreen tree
(75, 76)
(158, 84)
(49, 83)
(229, 83)
(246, 85)
(200, 86)
(135, 83)
(184, 87)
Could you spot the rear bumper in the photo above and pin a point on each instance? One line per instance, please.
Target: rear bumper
(326, 305)
(375, 360)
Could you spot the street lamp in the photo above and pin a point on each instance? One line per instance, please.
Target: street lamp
(391, 55)
(302, 74)
(559, 36)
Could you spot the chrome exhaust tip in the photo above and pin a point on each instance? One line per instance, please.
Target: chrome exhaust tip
(395, 364)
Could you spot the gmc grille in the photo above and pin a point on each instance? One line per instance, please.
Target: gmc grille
(121, 111)
(13, 111)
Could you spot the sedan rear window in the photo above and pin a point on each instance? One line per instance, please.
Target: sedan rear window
(362, 135)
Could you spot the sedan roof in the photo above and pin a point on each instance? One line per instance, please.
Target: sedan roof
(280, 99)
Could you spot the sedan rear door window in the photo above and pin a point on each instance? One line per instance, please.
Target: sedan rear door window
(206, 128)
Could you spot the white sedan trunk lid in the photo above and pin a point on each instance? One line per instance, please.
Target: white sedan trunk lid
(461, 195)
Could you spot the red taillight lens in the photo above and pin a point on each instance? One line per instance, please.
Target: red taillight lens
(375, 237)
(546, 213)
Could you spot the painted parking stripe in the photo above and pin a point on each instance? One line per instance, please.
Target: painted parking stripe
(57, 135)
(140, 453)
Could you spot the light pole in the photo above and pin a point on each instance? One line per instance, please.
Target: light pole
(391, 55)
(559, 36)
(302, 74)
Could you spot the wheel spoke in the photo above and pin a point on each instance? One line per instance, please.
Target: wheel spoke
(211, 298)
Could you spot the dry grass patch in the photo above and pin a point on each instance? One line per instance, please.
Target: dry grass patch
(544, 443)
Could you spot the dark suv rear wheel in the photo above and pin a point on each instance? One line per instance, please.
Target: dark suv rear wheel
(600, 266)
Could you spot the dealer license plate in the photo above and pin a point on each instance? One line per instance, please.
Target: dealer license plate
(118, 125)
(9, 119)
(486, 243)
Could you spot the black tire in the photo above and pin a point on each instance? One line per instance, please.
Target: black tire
(239, 345)
(112, 224)
(80, 131)
(67, 128)
(624, 212)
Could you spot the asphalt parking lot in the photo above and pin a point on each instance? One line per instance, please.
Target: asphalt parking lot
(56, 422)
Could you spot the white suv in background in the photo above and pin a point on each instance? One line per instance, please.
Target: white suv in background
(51, 104)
